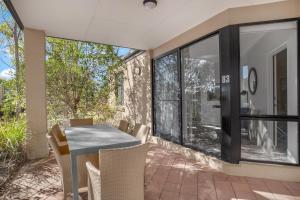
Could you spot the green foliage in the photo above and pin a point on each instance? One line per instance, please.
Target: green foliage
(11, 98)
(79, 77)
(11, 40)
(79, 81)
(12, 136)
(12, 123)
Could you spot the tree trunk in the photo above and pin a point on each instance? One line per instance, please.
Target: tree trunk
(74, 111)
(17, 73)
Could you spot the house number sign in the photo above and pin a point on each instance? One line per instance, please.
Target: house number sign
(225, 79)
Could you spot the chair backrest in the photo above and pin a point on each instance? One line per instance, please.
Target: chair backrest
(63, 162)
(143, 133)
(123, 126)
(136, 129)
(81, 122)
(122, 172)
(54, 147)
(94, 182)
(58, 133)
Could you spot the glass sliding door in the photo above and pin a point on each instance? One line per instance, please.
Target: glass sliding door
(167, 100)
(269, 92)
(201, 96)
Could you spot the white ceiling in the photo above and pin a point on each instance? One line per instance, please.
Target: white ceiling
(120, 22)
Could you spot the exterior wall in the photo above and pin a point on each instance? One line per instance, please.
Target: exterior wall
(137, 91)
(35, 84)
(261, 170)
(264, 12)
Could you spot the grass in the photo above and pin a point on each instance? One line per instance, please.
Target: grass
(12, 137)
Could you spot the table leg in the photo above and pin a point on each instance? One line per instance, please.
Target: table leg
(74, 176)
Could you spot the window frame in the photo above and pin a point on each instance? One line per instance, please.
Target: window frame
(209, 36)
(175, 51)
(266, 117)
(179, 65)
(236, 93)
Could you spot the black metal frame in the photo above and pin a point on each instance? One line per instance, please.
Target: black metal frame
(178, 51)
(230, 101)
(180, 91)
(235, 148)
(14, 13)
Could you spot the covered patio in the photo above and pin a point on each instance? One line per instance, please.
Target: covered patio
(216, 81)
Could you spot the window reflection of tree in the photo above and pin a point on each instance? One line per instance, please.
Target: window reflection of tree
(200, 79)
(167, 97)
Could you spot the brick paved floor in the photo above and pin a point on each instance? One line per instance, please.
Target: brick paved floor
(168, 176)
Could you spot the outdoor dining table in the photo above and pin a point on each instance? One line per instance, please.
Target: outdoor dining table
(90, 139)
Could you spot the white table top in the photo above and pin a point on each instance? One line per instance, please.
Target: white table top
(89, 139)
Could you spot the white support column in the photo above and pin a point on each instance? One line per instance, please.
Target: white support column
(35, 83)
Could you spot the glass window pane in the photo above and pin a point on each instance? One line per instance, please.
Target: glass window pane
(275, 141)
(167, 98)
(167, 120)
(268, 58)
(201, 109)
(167, 78)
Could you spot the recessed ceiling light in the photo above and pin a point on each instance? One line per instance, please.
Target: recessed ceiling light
(150, 4)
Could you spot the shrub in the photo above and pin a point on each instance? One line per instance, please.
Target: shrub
(12, 137)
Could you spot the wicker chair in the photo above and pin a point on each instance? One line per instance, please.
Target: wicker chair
(81, 122)
(136, 129)
(120, 175)
(64, 163)
(123, 126)
(141, 131)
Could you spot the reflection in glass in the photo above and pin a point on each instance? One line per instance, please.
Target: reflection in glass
(166, 98)
(271, 50)
(275, 141)
(201, 86)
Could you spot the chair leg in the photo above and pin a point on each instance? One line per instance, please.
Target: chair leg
(65, 195)
(64, 190)
(90, 195)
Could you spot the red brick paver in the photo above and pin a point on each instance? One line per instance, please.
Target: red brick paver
(168, 176)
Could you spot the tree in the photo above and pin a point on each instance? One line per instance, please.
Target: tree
(79, 77)
(11, 39)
